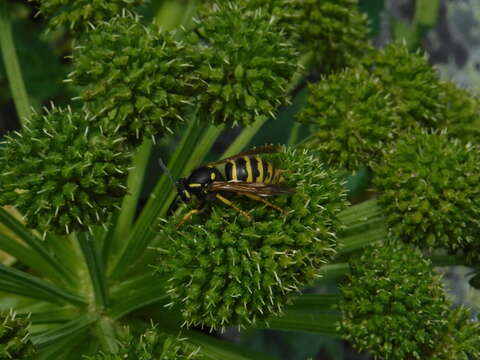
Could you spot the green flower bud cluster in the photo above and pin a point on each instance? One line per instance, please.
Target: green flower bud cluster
(352, 117)
(334, 30)
(133, 78)
(430, 190)
(153, 345)
(14, 337)
(358, 113)
(243, 62)
(394, 307)
(461, 113)
(61, 175)
(79, 15)
(412, 82)
(226, 270)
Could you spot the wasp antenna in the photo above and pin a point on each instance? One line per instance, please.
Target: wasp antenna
(165, 170)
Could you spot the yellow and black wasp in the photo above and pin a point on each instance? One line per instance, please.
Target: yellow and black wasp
(245, 174)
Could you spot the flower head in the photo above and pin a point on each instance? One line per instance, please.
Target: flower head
(334, 30)
(352, 118)
(153, 345)
(82, 14)
(226, 270)
(393, 305)
(15, 340)
(60, 174)
(430, 190)
(134, 79)
(243, 63)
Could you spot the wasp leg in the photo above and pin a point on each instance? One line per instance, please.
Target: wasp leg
(229, 203)
(190, 214)
(268, 203)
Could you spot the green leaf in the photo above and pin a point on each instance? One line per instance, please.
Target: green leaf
(51, 317)
(12, 66)
(218, 349)
(60, 333)
(26, 255)
(352, 243)
(136, 293)
(123, 222)
(308, 321)
(95, 268)
(21, 283)
(426, 12)
(24, 234)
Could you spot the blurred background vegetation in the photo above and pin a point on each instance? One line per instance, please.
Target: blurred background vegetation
(448, 30)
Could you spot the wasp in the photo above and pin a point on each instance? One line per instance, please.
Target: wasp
(245, 174)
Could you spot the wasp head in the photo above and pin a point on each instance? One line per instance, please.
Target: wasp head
(183, 190)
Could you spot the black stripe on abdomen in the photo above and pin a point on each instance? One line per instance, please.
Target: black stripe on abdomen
(242, 173)
(255, 172)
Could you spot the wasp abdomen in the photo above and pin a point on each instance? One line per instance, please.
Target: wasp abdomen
(252, 169)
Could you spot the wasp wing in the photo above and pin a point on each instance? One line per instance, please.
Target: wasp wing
(259, 189)
(267, 149)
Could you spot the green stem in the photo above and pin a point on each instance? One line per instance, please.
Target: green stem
(24, 234)
(144, 229)
(105, 333)
(332, 272)
(361, 213)
(294, 133)
(314, 301)
(126, 216)
(352, 243)
(95, 268)
(12, 67)
(307, 321)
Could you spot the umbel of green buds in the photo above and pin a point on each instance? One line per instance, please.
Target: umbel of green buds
(60, 174)
(153, 345)
(79, 15)
(334, 30)
(412, 82)
(243, 62)
(133, 78)
(14, 337)
(352, 118)
(395, 308)
(226, 270)
(430, 190)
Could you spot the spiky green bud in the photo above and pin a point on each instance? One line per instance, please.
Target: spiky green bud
(335, 31)
(133, 78)
(394, 305)
(153, 345)
(412, 82)
(460, 114)
(353, 118)
(226, 270)
(461, 339)
(78, 15)
(60, 174)
(430, 190)
(243, 64)
(14, 337)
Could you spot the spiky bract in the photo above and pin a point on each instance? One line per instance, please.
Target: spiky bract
(15, 340)
(60, 175)
(430, 190)
(393, 305)
(353, 118)
(133, 78)
(153, 345)
(244, 64)
(78, 15)
(226, 270)
(335, 31)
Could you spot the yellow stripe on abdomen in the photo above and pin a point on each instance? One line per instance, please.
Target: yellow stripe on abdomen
(248, 166)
